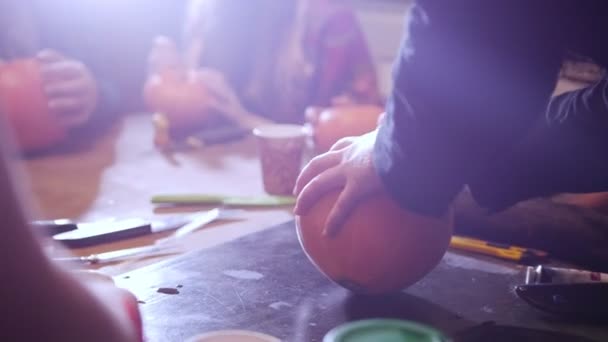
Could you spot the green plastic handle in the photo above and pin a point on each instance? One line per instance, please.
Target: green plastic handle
(224, 200)
(187, 199)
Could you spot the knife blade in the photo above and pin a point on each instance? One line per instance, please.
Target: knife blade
(53, 227)
(199, 221)
(117, 255)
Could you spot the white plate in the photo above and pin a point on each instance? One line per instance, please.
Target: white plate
(233, 336)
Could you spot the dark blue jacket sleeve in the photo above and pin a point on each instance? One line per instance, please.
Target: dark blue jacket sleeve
(472, 81)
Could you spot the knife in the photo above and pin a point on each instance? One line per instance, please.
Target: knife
(93, 233)
(162, 246)
(117, 255)
(196, 223)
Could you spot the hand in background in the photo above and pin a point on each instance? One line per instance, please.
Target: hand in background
(225, 100)
(164, 54)
(70, 87)
(222, 97)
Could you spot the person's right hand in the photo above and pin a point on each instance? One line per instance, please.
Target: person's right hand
(164, 54)
(347, 165)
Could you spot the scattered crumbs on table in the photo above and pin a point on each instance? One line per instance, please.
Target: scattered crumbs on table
(180, 286)
(141, 302)
(126, 277)
(168, 290)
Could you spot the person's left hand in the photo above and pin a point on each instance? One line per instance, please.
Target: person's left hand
(225, 100)
(70, 87)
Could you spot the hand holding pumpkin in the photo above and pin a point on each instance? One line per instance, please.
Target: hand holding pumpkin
(69, 86)
(374, 245)
(348, 166)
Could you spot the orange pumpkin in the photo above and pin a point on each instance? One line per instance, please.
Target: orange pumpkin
(334, 123)
(25, 104)
(380, 249)
(178, 94)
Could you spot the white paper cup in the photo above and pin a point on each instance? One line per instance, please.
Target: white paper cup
(281, 149)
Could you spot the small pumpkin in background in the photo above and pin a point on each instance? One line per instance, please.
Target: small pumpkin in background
(328, 125)
(380, 249)
(180, 95)
(25, 105)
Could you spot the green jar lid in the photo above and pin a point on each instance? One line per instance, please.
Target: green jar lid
(384, 330)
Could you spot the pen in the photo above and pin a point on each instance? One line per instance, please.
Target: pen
(502, 251)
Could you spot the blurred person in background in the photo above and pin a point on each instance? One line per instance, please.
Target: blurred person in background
(273, 59)
(57, 36)
(472, 107)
